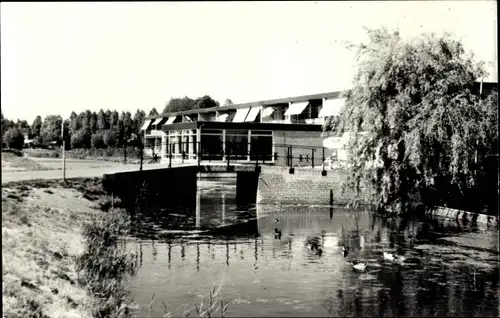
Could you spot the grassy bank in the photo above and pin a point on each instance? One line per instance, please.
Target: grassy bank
(14, 161)
(59, 251)
(107, 154)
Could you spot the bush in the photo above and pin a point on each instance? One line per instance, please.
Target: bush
(80, 139)
(109, 138)
(97, 140)
(14, 139)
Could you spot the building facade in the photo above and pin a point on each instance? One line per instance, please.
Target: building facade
(242, 132)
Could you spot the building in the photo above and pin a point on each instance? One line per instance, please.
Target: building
(261, 130)
(244, 132)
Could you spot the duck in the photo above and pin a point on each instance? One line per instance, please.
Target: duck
(360, 267)
(313, 244)
(345, 251)
(389, 256)
(319, 252)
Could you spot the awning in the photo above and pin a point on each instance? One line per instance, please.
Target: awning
(222, 118)
(170, 120)
(332, 107)
(161, 121)
(241, 114)
(146, 124)
(155, 121)
(296, 108)
(268, 111)
(203, 117)
(252, 115)
(186, 118)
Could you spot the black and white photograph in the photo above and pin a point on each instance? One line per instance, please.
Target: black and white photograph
(250, 159)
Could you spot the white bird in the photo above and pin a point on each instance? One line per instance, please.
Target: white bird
(359, 267)
(388, 256)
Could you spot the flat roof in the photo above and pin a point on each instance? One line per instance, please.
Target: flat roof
(488, 86)
(244, 125)
(295, 99)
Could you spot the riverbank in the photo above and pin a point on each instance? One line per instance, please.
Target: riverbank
(45, 232)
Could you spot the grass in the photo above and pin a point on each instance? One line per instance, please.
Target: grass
(106, 154)
(15, 162)
(48, 266)
(39, 246)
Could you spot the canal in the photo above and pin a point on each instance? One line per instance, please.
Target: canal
(185, 252)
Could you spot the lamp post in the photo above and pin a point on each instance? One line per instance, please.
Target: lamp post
(63, 152)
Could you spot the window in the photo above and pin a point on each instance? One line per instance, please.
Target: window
(211, 147)
(261, 148)
(237, 146)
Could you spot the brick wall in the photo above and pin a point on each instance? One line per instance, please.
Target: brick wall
(276, 184)
(302, 144)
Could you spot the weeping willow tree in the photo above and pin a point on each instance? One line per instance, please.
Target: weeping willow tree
(416, 118)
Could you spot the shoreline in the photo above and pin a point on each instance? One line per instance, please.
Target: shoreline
(45, 226)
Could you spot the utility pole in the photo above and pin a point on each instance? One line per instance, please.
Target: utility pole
(63, 152)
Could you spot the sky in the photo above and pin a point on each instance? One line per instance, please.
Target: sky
(63, 57)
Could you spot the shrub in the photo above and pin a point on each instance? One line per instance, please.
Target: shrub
(97, 140)
(80, 139)
(14, 139)
(109, 138)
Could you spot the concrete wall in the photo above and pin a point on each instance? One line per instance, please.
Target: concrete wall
(302, 144)
(159, 187)
(276, 184)
(462, 215)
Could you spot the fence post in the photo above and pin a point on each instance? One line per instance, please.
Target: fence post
(170, 156)
(312, 159)
(199, 153)
(291, 156)
(331, 203)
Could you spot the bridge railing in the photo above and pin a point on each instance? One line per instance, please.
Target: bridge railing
(285, 155)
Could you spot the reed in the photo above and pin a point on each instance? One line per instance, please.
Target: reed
(208, 307)
(105, 264)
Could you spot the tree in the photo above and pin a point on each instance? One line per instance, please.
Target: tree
(179, 104)
(113, 119)
(75, 122)
(36, 126)
(51, 129)
(101, 120)
(415, 117)
(13, 138)
(206, 102)
(138, 121)
(109, 138)
(153, 112)
(107, 116)
(6, 124)
(228, 102)
(80, 139)
(93, 123)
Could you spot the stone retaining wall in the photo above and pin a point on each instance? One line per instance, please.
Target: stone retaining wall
(462, 215)
(276, 184)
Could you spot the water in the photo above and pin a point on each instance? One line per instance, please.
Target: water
(182, 257)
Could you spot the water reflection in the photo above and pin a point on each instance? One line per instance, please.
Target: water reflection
(267, 275)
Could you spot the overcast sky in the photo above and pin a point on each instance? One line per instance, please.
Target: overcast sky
(59, 57)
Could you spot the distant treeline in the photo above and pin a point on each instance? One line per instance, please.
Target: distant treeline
(104, 129)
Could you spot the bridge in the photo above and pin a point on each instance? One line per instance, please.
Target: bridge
(176, 182)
